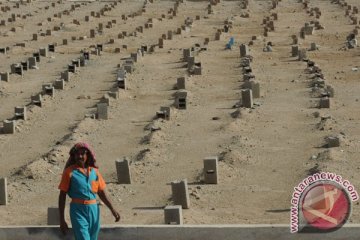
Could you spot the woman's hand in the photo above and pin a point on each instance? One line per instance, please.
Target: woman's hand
(107, 202)
(116, 215)
(64, 227)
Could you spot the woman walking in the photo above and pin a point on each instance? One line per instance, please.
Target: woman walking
(81, 180)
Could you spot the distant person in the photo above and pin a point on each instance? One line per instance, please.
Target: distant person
(268, 47)
(81, 180)
(351, 41)
(230, 43)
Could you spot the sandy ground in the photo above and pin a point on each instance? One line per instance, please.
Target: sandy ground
(265, 151)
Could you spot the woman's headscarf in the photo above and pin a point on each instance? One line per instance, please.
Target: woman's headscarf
(91, 161)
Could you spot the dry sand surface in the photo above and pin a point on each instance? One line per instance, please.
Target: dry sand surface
(264, 151)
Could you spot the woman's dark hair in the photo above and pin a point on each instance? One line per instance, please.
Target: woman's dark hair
(91, 161)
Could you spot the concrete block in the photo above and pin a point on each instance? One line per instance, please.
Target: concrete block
(302, 33)
(333, 142)
(121, 78)
(218, 36)
(43, 52)
(66, 75)
(247, 98)
(254, 86)
(48, 89)
(211, 170)
(173, 215)
(163, 113)
(294, 51)
(86, 55)
(129, 68)
(187, 53)
(36, 100)
(169, 35)
(180, 193)
(25, 65)
(17, 69)
(20, 113)
(244, 51)
(313, 47)
(206, 41)
(180, 99)
(82, 61)
(295, 39)
(197, 70)
(140, 29)
(100, 47)
(324, 102)
(135, 56)
(248, 77)
(102, 111)
(3, 191)
(53, 216)
(309, 30)
(37, 56)
(72, 68)
(105, 99)
(266, 32)
(96, 52)
(245, 62)
(20, 44)
(92, 33)
(59, 84)
(123, 171)
(271, 25)
(302, 55)
(51, 47)
(161, 43)
(32, 63)
(5, 76)
(180, 84)
(9, 126)
(76, 62)
(191, 62)
(35, 37)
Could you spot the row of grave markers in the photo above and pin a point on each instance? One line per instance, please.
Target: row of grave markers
(75, 21)
(56, 28)
(9, 125)
(121, 35)
(30, 63)
(180, 195)
(172, 214)
(319, 88)
(14, 17)
(20, 112)
(250, 88)
(350, 11)
(47, 88)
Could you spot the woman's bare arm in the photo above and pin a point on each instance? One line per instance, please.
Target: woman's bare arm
(62, 199)
(106, 200)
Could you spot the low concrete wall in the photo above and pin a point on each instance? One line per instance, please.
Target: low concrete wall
(184, 232)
